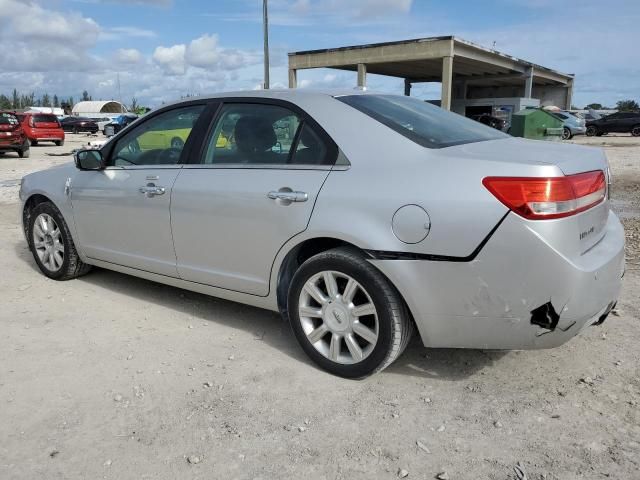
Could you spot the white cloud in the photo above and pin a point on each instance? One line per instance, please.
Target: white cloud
(203, 52)
(128, 56)
(333, 12)
(117, 32)
(171, 59)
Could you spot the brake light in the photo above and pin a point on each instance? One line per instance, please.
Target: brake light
(537, 198)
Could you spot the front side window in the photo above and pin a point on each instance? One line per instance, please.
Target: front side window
(422, 122)
(157, 141)
(261, 134)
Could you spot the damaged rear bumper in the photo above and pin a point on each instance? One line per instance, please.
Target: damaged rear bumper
(518, 293)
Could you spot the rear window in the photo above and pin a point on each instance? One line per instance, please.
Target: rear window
(8, 119)
(45, 119)
(422, 122)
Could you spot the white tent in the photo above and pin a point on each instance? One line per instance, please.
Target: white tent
(97, 109)
(54, 110)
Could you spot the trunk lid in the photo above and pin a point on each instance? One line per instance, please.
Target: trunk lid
(573, 235)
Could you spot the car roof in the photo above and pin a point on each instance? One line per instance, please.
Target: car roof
(290, 94)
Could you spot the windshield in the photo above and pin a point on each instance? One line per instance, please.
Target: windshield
(422, 122)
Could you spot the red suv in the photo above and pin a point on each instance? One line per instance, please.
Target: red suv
(42, 127)
(12, 136)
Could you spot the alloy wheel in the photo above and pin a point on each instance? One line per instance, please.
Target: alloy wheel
(47, 242)
(338, 317)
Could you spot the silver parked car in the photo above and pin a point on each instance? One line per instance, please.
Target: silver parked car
(359, 216)
(571, 124)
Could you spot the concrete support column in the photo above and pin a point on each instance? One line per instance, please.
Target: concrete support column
(407, 87)
(567, 105)
(528, 83)
(362, 75)
(447, 82)
(293, 78)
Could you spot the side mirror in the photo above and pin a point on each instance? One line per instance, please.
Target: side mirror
(89, 160)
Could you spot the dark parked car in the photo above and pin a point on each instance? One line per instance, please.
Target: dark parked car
(110, 129)
(79, 124)
(490, 120)
(621, 122)
(12, 136)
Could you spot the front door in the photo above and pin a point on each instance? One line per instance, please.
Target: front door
(255, 187)
(122, 212)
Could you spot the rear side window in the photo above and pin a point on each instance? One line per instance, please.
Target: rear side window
(261, 134)
(422, 122)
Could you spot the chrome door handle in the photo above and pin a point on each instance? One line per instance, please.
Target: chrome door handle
(288, 196)
(150, 190)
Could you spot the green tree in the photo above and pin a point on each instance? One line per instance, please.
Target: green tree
(5, 102)
(627, 106)
(56, 101)
(85, 96)
(594, 106)
(16, 99)
(134, 105)
(46, 100)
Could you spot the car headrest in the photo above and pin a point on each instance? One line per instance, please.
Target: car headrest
(254, 134)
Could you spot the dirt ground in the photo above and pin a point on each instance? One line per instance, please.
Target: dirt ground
(114, 377)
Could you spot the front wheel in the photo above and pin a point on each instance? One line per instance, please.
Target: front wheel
(25, 151)
(635, 131)
(51, 244)
(346, 315)
(591, 131)
(566, 134)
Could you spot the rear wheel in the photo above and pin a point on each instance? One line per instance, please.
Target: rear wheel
(566, 134)
(591, 131)
(635, 131)
(75, 130)
(33, 143)
(59, 143)
(346, 315)
(24, 152)
(51, 244)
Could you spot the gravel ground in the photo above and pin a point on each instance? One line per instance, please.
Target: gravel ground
(114, 377)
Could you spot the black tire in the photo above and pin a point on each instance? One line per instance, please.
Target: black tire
(395, 327)
(25, 151)
(59, 143)
(566, 134)
(33, 143)
(591, 131)
(75, 130)
(72, 266)
(635, 130)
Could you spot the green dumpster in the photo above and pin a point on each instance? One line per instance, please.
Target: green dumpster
(537, 124)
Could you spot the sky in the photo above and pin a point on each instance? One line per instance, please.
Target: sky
(162, 50)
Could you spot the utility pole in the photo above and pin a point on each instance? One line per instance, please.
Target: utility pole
(265, 23)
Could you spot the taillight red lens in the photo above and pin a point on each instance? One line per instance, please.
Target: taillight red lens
(539, 198)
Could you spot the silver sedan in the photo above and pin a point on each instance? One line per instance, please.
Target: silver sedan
(360, 217)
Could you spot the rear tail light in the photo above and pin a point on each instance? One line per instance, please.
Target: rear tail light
(537, 198)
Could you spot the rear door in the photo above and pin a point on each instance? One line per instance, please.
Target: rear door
(253, 188)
